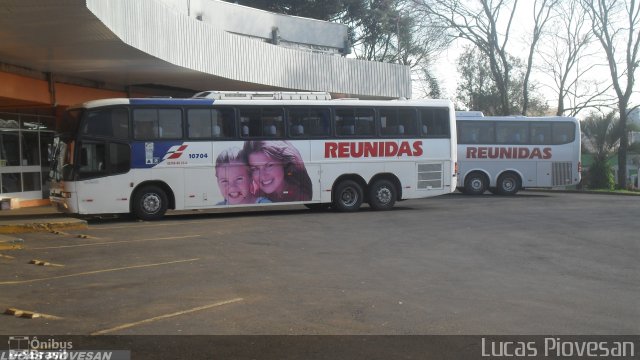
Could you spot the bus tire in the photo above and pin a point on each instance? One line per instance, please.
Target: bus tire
(475, 184)
(508, 184)
(150, 203)
(382, 195)
(348, 196)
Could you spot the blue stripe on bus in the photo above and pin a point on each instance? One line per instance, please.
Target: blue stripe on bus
(145, 158)
(171, 101)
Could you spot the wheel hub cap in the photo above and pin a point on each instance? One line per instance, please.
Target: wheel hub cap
(151, 203)
(384, 195)
(476, 184)
(349, 197)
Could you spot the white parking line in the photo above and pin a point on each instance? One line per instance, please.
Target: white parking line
(95, 272)
(116, 242)
(166, 316)
(168, 223)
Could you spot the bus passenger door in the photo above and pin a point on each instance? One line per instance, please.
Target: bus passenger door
(103, 185)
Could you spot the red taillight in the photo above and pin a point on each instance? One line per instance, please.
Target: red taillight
(455, 168)
(579, 166)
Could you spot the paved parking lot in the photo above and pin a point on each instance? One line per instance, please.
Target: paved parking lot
(536, 263)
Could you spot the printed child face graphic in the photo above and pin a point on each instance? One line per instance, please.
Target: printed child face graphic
(267, 172)
(234, 183)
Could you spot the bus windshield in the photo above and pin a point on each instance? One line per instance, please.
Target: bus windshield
(63, 146)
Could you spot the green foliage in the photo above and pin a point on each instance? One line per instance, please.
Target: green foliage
(321, 10)
(477, 89)
(602, 133)
(379, 30)
(600, 175)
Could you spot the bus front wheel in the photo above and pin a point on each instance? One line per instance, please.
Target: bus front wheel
(150, 203)
(508, 184)
(475, 184)
(348, 196)
(382, 195)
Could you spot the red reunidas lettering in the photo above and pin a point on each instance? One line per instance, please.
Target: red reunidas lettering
(353, 149)
(508, 153)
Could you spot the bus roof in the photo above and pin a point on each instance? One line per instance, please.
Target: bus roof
(479, 116)
(262, 102)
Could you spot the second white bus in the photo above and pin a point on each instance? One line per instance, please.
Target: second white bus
(504, 154)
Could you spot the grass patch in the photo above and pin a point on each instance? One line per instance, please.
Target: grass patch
(617, 191)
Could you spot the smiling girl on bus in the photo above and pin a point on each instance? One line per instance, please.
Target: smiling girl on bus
(278, 169)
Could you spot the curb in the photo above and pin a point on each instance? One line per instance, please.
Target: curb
(583, 192)
(42, 225)
(10, 243)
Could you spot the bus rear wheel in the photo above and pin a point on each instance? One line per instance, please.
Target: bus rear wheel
(382, 195)
(508, 184)
(348, 196)
(150, 203)
(475, 184)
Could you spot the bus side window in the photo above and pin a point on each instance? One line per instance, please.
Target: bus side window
(345, 122)
(256, 122)
(250, 122)
(397, 122)
(272, 122)
(540, 133)
(170, 123)
(563, 132)
(407, 120)
(434, 123)
(145, 124)
(199, 123)
(224, 123)
(476, 132)
(308, 122)
(388, 121)
(357, 122)
(512, 132)
(112, 123)
(364, 122)
(150, 124)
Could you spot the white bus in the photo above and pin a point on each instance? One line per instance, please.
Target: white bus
(144, 156)
(504, 154)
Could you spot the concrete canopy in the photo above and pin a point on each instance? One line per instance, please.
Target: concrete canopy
(113, 44)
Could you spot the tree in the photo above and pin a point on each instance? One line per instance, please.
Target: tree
(321, 10)
(477, 90)
(428, 85)
(567, 58)
(379, 30)
(541, 16)
(388, 31)
(478, 25)
(616, 24)
(602, 134)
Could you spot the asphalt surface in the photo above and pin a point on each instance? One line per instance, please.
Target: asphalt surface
(535, 263)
